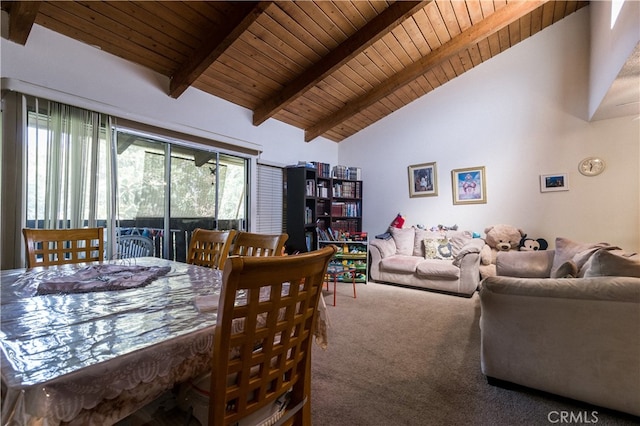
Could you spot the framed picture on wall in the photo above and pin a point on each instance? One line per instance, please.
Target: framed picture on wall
(469, 185)
(423, 180)
(554, 182)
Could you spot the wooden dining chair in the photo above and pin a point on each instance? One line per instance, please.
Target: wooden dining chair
(128, 246)
(62, 246)
(209, 248)
(262, 343)
(252, 244)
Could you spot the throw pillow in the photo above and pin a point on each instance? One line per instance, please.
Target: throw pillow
(567, 270)
(437, 248)
(403, 237)
(458, 240)
(605, 263)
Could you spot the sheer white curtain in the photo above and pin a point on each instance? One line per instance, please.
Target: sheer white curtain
(68, 166)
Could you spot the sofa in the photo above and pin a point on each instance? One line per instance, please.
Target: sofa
(446, 261)
(567, 322)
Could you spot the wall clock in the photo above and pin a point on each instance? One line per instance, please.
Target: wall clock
(591, 166)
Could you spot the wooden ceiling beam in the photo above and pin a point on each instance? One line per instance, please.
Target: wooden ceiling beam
(480, 31)
(22, 15)
(218, 41)
(374, 30)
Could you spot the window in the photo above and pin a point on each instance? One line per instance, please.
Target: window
(206, 189)
(270, 198)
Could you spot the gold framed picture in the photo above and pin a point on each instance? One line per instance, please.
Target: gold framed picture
(423, 180)
(469, 185)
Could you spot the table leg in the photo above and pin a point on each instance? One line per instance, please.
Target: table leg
(353, 275)
(335, 281)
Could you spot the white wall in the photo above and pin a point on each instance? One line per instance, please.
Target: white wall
(520, 115)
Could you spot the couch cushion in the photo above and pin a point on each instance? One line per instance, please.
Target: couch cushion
(400, 263)
(443, 269)
(524, 264)
(437, 248)
(605, 263)
(571, 250)
(403, 238)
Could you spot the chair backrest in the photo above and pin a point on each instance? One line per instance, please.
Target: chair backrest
(264, 330)
(133, 246)
(61, 246)
(209, 248)
(252, 244)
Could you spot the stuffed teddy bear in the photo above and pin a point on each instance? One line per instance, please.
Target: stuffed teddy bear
(530, 244)
(498, 238)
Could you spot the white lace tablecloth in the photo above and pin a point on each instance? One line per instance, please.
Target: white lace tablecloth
(93, 358)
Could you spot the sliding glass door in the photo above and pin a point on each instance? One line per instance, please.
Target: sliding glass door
(166, 190)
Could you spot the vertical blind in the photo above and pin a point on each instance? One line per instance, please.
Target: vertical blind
(270, 199)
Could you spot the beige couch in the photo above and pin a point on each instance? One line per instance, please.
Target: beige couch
(414, 257)
(576, 335)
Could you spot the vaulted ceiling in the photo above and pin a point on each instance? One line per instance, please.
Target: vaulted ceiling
(331, 68)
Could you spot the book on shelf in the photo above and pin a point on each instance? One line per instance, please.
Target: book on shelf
(322, 169)
(311, 188)
(348, 173)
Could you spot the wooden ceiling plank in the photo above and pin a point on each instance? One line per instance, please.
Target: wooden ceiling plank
(536, 21)
(181, 27)
(466, 61)
(525, 26)
(288, 43)
(304, 23)
(437, 23)
(363, 38)
(423, 22)
(490, 25)
(559, 10)
(503, 38)
(353, 14)
(402, 40)
(514, 32)
(149, 24)
(22, 15)
(474, 54)
(457, 64)
(547, 14)
(462, 14)
(484, 49)
(449, 17)
(475, 11)
(263, 65)
(113, 42)
(416, 36)
(117, 17)
(288, 27)
(219, 39)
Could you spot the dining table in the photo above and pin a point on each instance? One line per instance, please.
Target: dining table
(89, 348)
(90, 344)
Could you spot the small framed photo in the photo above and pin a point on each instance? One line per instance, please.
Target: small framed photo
(469, 185)
(423, 180)
(554, 182)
